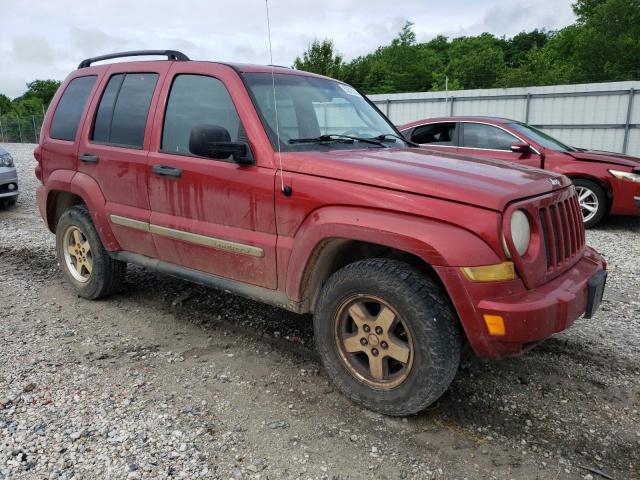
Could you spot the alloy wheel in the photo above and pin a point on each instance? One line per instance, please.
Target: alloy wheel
(589, 202)
(373, 341)
(77, 254)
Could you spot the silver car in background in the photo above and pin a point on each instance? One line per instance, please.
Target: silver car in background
(8, 179)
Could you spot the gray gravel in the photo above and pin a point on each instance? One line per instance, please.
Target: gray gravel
(173, 380)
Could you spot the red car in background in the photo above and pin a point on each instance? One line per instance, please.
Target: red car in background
(606, 182)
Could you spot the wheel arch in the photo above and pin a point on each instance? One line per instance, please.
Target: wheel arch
(336, 237)
(606, 186)
(80, 190)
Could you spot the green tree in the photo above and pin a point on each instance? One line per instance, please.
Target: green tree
(320, 58)
(517, 48)
(607, 40)
(27, 106)
(476, 62)
(539, 67)
(5, 104)
(42, 89)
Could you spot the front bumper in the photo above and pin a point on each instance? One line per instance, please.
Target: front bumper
(530, 316)
(8, 178)
(626, 197)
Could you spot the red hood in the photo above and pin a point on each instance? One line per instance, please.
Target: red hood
(472, 180)
(606, 157)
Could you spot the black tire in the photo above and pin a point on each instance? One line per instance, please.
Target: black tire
(8, 203)
(425, 310)
(107, 275)
(600, 194)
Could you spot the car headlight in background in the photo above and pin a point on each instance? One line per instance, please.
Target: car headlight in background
(6, 160)
(631, 176)
(520, 233)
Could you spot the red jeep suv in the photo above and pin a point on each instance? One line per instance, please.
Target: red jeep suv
(605, 182)
(293, 189)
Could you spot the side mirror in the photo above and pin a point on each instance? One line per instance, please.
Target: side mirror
(521, 147)
(214, 141)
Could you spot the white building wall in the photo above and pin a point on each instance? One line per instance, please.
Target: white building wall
(587, 115)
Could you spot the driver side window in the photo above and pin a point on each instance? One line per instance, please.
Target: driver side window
(197, 100)
(435, 134)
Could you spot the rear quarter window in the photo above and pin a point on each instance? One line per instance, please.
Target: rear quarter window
(66, 118)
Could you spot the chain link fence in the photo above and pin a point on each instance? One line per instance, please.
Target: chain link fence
(16, 129)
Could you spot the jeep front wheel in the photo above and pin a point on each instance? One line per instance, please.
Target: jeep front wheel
(83, 258)
(387, 336)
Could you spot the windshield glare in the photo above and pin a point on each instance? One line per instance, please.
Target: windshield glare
(540, 137)
(309, 107)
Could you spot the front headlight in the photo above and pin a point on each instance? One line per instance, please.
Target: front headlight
(633, 177)
(520, 233)
(6, 160)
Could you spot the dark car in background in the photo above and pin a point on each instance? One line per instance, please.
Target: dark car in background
(8, 179)
(606, 183)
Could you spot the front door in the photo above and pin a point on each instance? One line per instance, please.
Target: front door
(210, 215)
(486, 140)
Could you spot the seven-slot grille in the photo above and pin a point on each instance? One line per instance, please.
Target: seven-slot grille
(562, 230)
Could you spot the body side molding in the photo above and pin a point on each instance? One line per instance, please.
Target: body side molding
(213, 242)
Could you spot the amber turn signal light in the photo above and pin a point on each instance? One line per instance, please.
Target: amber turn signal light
(495, 325)
(490, 273)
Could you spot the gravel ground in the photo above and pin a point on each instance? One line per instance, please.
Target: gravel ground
(173, 380)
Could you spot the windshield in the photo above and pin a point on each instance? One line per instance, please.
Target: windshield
(314, 112)
(540, 137)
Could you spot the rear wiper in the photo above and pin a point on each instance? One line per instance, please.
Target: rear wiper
(336, 137)
(384, 136)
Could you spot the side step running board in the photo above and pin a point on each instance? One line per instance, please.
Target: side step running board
(252, 292)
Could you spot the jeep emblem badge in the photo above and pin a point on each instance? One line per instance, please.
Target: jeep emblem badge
(555, 182)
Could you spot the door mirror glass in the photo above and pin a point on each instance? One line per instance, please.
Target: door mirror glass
(214, 141)
(520, 147)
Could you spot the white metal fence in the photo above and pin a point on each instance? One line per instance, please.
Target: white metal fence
(602, 116)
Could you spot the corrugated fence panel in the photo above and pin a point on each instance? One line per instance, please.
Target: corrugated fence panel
(593, 115)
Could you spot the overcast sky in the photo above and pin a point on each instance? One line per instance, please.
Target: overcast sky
(48, 38)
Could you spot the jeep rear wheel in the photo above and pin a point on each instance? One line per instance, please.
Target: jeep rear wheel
(84, 261)
(387, 336)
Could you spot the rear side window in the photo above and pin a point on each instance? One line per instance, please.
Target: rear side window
(197, 100)
(124, 107)
(479, 135)
(67, 115)
(435, 134)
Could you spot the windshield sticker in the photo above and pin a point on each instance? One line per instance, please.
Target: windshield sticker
(349, 90)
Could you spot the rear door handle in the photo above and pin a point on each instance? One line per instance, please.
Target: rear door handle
(88, 158)
(165, 171)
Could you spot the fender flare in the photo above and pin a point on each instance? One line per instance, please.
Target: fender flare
(436, 243)
(88, 189)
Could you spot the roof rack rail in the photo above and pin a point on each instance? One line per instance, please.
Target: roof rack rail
(170, 54)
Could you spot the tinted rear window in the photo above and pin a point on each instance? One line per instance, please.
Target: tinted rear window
(66, 118)
(122, 114)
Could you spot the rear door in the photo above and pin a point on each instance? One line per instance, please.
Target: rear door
(436, 136)
(114, 148)
(490, 141)
(210, 215)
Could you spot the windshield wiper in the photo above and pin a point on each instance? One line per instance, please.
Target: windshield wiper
(384, 136)
(337, 137)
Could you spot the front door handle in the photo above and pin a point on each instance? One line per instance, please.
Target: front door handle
(88, 158)
(165, 171)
